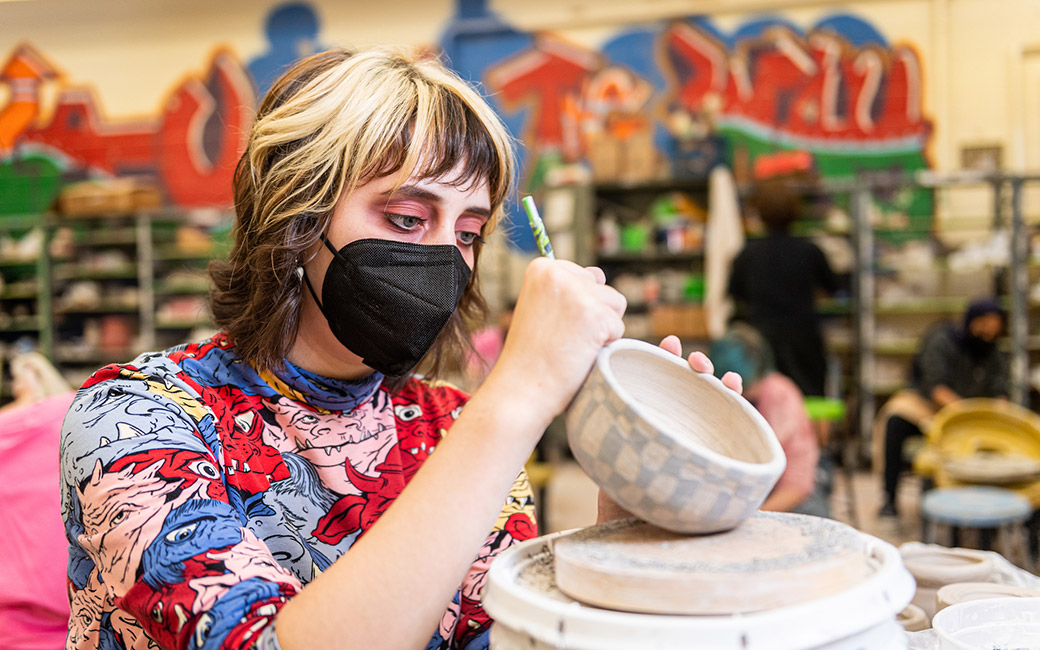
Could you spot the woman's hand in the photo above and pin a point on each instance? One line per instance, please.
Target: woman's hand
(564, 316)
(606, 508)
(701, 363)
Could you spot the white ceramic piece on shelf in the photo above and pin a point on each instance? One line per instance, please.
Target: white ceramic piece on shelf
(990, 624)
(962, 592)
(672, 446)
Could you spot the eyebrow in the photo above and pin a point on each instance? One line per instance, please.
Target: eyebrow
(417, 192)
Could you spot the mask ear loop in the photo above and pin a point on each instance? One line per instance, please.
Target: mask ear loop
(307, 281)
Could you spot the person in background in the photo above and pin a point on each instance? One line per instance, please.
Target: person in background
(955, 361)
(486, 346)
(276, 486)
(34, 606)
(744, 351)
(33, 379)
(774, 282)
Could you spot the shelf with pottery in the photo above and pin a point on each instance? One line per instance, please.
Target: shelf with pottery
(103, 283)
(25, 268)
(181, 252)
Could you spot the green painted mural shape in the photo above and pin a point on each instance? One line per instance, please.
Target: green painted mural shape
(28, 185)
(916, 205)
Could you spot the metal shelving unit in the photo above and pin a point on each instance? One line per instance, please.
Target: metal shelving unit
(1010, 283)
(140, 285)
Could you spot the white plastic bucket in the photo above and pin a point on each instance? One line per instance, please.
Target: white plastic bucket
(532, 614)
(990, 624)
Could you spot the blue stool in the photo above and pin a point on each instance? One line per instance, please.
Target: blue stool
(961, 514)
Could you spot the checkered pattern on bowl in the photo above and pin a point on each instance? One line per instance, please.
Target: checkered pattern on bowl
(660, 479)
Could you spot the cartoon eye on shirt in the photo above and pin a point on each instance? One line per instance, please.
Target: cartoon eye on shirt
(179, 535)
(117, 518)
(204, 468)
(407, 412)
(189, 530)
(305, 419)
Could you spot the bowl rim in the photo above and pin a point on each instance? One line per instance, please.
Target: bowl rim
(779, 459)
(945, 628)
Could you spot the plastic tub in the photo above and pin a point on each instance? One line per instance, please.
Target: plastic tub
(991, 624)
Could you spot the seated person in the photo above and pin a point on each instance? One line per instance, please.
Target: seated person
(955, 361)
(744, 351)
(34, 607)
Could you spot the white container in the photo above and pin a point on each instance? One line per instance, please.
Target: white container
(934, 567)
(532, 614)
(990, 624)
(672, 446)
(962, 592)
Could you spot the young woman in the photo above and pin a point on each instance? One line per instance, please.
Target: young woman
(276, 485)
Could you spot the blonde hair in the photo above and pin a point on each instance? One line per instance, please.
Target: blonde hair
(333, 122)
(48, 381)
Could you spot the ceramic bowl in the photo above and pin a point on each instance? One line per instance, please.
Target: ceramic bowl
(672, 446)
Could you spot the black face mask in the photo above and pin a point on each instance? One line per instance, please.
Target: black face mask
(387, 301)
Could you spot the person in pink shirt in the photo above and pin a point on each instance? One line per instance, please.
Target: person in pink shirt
(744, 351)
(34, 606)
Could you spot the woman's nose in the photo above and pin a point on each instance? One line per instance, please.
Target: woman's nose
(441, 235)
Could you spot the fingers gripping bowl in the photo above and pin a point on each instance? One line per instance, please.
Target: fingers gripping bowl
(672, 446)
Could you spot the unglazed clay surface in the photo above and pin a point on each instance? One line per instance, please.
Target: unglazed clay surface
(674, 447)
(771, 560)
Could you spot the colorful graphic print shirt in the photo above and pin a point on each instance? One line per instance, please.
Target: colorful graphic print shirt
(199, 495)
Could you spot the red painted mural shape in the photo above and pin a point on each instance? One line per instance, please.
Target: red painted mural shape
(222, 105)
(191, 148)
(546, 78)
(817, 87)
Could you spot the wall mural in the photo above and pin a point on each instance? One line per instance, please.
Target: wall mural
(669, 98)
(190, 147)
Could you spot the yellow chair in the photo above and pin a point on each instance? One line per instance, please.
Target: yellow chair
(983, 441)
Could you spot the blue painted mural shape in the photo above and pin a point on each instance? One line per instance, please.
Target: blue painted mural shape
(292, 31)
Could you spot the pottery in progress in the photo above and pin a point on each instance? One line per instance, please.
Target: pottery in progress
(674, 447)
(771, 560)
(532, 613)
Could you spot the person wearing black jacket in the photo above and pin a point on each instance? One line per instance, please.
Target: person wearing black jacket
(955, 361)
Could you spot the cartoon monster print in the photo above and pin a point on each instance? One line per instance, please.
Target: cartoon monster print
(332, 441)
(297, 503)
(181, 465)
(123, 511)
(88, 607)
(240, 617)
(205, 535)
(519, 509)
(116, 420)
(129, 631)
(424, 416)
(421, 420)
(251, 464)
(189, 530)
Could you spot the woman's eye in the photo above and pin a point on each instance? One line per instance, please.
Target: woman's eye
(467, 238)
(404, 221)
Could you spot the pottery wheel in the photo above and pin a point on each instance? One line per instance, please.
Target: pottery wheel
(771, 560)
